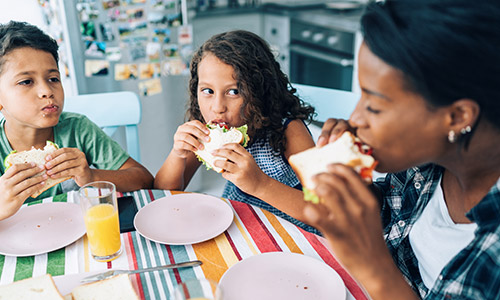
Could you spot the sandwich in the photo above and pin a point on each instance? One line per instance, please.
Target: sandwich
(39, 287)
(347, 150)
(36, 156)
(118, 287)
(220, 134)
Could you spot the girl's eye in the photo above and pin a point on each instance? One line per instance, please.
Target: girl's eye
(26, 82)
(207, 91)
(54, 79)
(233, 92)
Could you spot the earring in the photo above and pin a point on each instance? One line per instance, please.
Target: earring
(466, 129)
(451, 136)
(1, 107)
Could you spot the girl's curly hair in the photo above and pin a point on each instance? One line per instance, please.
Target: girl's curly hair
(268, 95)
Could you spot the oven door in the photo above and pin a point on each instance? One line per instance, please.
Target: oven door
(322, 68)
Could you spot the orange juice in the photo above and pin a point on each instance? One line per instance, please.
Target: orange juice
(103, 229)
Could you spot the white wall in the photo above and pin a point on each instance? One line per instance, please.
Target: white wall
(21, 10)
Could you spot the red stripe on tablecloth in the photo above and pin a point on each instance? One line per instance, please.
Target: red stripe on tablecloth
(233, 246)
(110, 265)
(260, 234)
(132, 261)
(172, 261)
(151, 195)
(327, 256)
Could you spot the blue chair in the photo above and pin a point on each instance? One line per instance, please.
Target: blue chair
(111, 111)
(329, 103)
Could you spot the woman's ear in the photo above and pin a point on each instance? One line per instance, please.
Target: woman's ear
(463, 113)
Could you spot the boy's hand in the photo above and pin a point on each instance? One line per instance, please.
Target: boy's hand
(187, 138)
(69, 162)
(16, 185)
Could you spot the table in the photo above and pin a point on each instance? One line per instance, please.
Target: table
(253, 231)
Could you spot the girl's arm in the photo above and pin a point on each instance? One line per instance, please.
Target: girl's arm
(176, 172)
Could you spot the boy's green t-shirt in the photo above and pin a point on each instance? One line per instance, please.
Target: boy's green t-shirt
(76, 131)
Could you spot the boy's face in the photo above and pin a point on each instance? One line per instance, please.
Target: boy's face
(31, 92)
(218, 95)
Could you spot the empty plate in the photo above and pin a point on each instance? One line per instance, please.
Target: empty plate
(279, 275)
(183, 219)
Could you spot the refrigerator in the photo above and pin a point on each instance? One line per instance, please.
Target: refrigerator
(142, 46)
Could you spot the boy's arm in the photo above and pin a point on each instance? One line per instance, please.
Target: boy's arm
(130, 176)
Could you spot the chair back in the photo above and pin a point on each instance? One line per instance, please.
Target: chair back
(329, 103)
(111, 111)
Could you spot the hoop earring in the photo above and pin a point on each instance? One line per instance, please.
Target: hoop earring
(466, 129)
(452, 137)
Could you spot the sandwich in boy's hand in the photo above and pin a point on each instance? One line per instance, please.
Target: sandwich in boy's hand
(36, 156)
(220, 134)
(347, 150)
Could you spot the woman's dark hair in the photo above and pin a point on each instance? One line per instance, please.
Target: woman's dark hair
(14, 35)
(446, 49)
(267, 93)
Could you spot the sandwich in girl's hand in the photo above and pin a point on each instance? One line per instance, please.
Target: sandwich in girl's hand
(220, 134)
(36, 156)
(347, 149)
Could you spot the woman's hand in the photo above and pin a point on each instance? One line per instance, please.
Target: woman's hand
(16, 185)
(332, 130)
(239, 167)
(188, 136)
(69, 162)
(349, 217)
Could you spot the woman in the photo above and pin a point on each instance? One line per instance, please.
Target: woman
(429, 72)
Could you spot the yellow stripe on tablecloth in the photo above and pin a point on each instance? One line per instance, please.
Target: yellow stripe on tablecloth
(86, 252)
(285, 236)
(214, 264)
(226, 250)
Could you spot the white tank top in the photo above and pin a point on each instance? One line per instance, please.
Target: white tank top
(436, 239)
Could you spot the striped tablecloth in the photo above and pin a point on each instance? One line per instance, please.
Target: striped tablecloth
(253, 231)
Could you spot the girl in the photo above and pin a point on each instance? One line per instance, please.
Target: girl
(235, 79)
(429, 73)
(31, 101)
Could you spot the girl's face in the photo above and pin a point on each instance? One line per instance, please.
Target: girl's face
(31, 92)
(403, 130)
(218, 95)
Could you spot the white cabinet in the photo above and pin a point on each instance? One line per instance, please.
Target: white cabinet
(277, 34)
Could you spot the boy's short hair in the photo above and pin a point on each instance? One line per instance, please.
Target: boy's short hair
(14, 35)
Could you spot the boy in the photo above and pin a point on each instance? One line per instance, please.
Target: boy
(31, 101)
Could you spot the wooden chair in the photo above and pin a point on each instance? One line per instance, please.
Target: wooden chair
(111, 111)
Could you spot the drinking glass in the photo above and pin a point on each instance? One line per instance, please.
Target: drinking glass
(197, 289)
(100, 213)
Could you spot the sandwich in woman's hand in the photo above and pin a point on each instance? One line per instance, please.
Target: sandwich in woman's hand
(36, 156)
(220, 134)
(347, 150)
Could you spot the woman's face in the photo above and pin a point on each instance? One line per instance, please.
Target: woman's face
(397, 123)
(218, 95)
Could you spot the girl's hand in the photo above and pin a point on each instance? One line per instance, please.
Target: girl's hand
(350, 219)
(16, 185)
(187, 138)
(239, 167)
(69, 162)
(332, 130)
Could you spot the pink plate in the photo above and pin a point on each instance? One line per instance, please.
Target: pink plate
(279, 275)
(41, 228)
(183, 219)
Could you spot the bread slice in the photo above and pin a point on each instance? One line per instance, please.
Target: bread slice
(347, 149)
(117, 287)
(220, 135)
(38, 157)
(39, 287)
